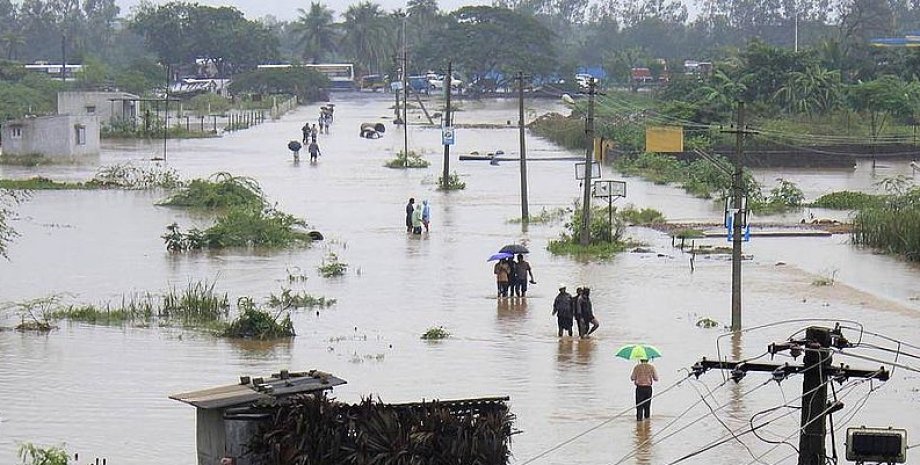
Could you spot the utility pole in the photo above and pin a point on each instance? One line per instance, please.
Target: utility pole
(589, 149)
(447, 123)
(817, 370)
(64, 59)
(166, 120)
(525, 215)
(396, 93)
(739, 216)
(405, 97)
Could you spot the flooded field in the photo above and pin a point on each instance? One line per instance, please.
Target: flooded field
(103, 391)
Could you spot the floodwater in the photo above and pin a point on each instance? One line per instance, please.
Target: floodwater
(103, 391)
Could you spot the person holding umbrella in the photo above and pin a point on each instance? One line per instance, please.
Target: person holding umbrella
(502, 271)
(643, 376)
(521, 269)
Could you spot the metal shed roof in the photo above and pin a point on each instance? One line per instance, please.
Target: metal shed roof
(250, 390)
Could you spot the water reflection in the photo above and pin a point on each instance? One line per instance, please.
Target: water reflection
(255, 349)
(642, 444)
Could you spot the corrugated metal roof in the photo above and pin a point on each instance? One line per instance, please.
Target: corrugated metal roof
(276, 386)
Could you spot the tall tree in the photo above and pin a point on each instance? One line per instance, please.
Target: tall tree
(316, 34)
(370, 36)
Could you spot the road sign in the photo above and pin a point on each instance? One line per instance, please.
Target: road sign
(447, 135)
(580, 170)
(609, 188)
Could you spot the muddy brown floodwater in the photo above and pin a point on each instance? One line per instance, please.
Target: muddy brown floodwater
(103, 390)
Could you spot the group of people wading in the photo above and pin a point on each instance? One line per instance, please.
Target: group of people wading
(571, 310)
(310, 132)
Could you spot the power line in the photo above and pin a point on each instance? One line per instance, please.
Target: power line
(735, 437)
(598, 426)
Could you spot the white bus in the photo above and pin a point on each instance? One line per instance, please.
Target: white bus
(341, 75)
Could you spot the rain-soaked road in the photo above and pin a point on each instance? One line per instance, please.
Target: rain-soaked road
(102, 391)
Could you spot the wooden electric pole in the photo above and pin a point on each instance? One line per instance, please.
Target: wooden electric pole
(446, 125)
(525, 215)
(589, 150)
(817, 371)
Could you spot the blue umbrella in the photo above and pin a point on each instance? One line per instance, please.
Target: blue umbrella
(500, 256)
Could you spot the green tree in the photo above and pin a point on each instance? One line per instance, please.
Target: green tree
(882, 99)
(370, 36)
(814, 90)
(306, 84)
(316, 34)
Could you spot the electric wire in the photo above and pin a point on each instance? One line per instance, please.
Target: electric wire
(727, 428)
(820, 416)
(877, 360)
(636, 449)
(886, 337)
(728, 438)
(598, 426)
(695, 421)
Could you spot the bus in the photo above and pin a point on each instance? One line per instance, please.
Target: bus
(341, 75)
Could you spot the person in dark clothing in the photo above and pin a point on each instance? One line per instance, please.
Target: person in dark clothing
(643, 376)
(410, 208)
(522, 269)
(314, 151)
(562, 308)
(306, 133)
(587, 321)
(576, 312)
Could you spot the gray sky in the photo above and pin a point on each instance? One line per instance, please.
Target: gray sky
(287, 9)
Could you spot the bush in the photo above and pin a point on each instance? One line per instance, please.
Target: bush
(331, 266)
(37, 455)
(290, 299)
(604, 241)
(453, 183)
(219, 191)
(435, 333)
(255, 323)
(414, 161)
(645, 216)
(893, 227)
(241, 227)
(847, 200)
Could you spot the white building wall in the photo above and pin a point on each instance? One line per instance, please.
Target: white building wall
(99, 104)
(51, 136)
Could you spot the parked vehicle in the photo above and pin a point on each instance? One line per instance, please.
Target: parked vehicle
(373, 82)
(436, 82)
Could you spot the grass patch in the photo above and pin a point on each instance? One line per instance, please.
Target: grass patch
(292, 299)
(644, 216)
(255, 323)
(435, 333)
(196, 305)
(134, 309)
(414, 160)
(332, 266)
(241, 227)
(453, 183)
(36, 314)
(688, 233)
(893, 227)
(545, 216)
(40, 183)
(712, 250)
(706, 323)
(108, 177)
(601, 250)
(848, 200)
(219, 191)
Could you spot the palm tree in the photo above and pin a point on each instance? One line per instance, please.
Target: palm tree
(316, 32)
(369, 35)
(12, 41)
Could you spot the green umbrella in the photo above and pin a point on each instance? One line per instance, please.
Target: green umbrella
(638, 352)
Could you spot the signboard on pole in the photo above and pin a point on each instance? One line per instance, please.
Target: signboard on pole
(447, 135)
(609, 189)
(580, 170)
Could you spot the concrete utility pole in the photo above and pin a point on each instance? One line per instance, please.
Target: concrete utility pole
(589, 149)
(525, 215)
(166, 120)
(739, 216)
(816, 370)
(405, 97)
(447, 123)
(64, 59)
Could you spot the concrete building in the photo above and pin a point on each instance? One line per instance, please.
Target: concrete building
(109, 107)
(58, 136)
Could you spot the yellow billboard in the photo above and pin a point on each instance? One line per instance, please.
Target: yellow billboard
(664, 139)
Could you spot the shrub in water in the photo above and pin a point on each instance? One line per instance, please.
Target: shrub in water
(220, 190)
(255, 323)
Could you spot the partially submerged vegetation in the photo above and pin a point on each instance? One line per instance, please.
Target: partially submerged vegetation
(893, 226)
(219, 191)
(197, 306)
(414, 160)
(848, 200)
(241, 227)
(545, 216)
(435, 333)
(605, 240)
(298, 299)
(331, 266)
(32, 454)
(121, 176)
(453, 183)
(645, 216)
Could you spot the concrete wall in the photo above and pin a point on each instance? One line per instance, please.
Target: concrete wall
(51, 136)
(211, 437)
(99, 104)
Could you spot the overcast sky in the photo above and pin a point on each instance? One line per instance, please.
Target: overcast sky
(287, 9)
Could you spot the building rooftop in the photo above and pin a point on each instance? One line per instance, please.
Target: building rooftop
(250, 390)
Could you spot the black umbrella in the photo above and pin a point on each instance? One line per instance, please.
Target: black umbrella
(514, 248)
